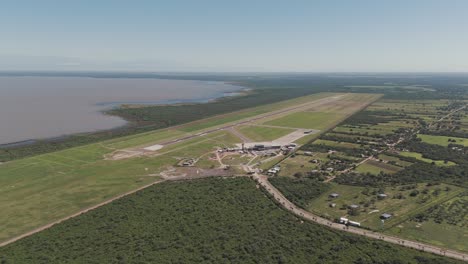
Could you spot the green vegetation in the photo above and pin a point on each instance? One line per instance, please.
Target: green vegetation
(443, 140)
(394, 160)
(331, 143)
(420, 157)
(209, 221)
(443, 235)
(44, 188)
(443, 224)
(259, 133)
(421, 174)
(299, 191)
(313, 120)
(375, 167)
(402, 202)
(40, 189)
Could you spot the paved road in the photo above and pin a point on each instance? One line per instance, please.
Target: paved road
(263, 181)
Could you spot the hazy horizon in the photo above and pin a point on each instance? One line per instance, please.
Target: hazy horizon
(242, 36)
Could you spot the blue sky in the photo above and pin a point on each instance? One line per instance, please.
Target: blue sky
(255, 35)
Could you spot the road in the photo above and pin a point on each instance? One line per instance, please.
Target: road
(288, 205)
(39, 229)
(391, 146)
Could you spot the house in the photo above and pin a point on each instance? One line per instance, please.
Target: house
(308, 153)
(333, 195)
(385, 216)
(354, 206)
(330, 169)
(332, 205)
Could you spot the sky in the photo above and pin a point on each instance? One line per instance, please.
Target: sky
(235, 36)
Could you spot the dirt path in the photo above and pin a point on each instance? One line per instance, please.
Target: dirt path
(238, 134)
(447, 115)
(39, 229)
(391, 146)
(288, 205)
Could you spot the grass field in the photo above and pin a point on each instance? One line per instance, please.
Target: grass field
(421, 158)
(312, 120)
(43, 188)
(301, 164)
(202, 221)
(443, 235)
(336, 144)
(443, 140)
(375, 167)
(444, 224)
(259, 133)
(398, 161)
(236, 116)
(371, 207)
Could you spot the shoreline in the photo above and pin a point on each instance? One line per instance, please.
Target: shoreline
(242, 91)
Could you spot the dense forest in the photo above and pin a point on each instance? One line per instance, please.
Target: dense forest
(300, 191)
(202, 221)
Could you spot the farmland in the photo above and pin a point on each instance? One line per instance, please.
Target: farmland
(375, 167)
(209, 221)
(411, 151)
(443, 140)
(419, 156)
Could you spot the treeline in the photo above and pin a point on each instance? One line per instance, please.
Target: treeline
(300, 191)
(453, 212)
(435, 152)
(202, 221)
(355, 140)
(325, 148)
(418, 172)
(374, 117)
(447, 133)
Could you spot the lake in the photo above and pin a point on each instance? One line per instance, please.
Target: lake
(45, 107)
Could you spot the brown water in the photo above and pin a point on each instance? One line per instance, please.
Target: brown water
(44, 107)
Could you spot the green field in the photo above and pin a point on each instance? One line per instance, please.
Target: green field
(202, 221)
(312, 120)
(47, 187)
(398, 161)
(259, 133)
(371, 207)
(429, 232)
(236, 116)
(336, 144)
(421, 158)
(443, 140)
(375, 167)
(443, 224)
